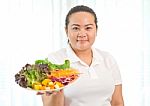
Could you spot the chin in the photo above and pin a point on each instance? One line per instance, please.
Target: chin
(83, 47)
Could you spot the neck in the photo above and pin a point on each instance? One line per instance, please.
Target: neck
(85, 55)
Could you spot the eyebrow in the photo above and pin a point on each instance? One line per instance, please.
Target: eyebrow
(79, 25)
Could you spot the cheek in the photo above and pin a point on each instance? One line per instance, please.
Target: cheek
(71, 36)
(92, 35)
(71, 39)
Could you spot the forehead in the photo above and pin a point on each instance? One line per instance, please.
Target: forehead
(81, 18)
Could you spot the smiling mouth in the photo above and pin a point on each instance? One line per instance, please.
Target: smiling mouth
(82, 39)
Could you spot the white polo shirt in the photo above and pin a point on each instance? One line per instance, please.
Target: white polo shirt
(96, 85)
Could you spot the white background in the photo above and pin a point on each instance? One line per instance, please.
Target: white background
(31, 29)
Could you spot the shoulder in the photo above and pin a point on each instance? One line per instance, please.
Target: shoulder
(58, 56)
(102, 54)
(111, 64)
(105, 56)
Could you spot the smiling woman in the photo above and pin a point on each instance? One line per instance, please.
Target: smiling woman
(98, 67)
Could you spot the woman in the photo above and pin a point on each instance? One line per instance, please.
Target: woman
(100, 83)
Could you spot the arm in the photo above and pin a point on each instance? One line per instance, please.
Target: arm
(54, 99)
(117, 98)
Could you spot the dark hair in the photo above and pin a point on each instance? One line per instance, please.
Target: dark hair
(80, 8)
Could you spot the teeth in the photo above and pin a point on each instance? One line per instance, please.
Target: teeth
(82, 40)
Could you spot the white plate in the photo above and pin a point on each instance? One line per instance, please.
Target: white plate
(40, 92)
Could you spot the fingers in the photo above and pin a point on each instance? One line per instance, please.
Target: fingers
(42, 93)
(39, 93)
(48, 93)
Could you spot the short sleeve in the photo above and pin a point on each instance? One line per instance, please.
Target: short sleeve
(116, 74)
(114, 70)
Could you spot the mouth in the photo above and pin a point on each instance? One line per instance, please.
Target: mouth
(81, 40)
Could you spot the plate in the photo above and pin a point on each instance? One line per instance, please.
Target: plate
(48, 90)
(40, 92)
(56, 81)
(44, 76)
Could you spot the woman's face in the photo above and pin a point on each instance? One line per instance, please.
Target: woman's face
(81, 30)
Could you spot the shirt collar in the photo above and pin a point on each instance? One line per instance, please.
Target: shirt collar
(71, 55)
(97, 58)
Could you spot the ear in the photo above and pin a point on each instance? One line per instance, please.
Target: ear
(96, 31)
(66, 30)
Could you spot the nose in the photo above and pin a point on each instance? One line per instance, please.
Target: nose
(82, 33)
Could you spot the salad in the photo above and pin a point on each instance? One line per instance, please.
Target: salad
(44, 75)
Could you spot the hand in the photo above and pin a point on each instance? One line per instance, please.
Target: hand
(55, 98)
(47, 92)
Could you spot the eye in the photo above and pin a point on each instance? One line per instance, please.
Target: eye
(75, 28)
(89, 28)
